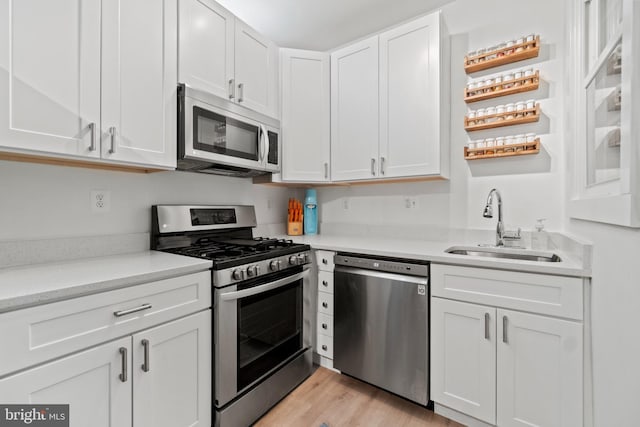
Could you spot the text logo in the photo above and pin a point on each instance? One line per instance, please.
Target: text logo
(34, 415)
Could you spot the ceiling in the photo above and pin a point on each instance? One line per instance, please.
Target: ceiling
(325, 24)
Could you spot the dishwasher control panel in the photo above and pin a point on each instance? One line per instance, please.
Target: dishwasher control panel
(399, 266)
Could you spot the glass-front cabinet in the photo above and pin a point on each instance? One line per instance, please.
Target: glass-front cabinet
(606, 51)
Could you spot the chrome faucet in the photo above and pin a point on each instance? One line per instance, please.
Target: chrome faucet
(488, 213)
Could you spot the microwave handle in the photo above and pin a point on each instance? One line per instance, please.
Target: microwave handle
(264, 143)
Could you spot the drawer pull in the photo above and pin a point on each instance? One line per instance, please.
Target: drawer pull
(131, 310)
(145, 364)
(324, 261)
(325, 283)
(123, 357)
(325, 326)
(324, 347)
(325, 305)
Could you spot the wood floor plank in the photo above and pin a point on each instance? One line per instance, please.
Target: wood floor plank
(338, 400)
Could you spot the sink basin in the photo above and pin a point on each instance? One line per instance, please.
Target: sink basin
(504, 253)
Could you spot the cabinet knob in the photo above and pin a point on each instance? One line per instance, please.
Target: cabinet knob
(325, 305)
(324, 261)
(324, 347)
(325, 283)
(324, 326)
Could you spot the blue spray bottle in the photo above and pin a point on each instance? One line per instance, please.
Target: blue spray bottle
(311, 212)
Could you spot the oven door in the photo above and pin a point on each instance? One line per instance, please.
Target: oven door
(258, 328)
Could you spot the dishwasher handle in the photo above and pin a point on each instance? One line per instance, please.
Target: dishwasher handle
(418, 280)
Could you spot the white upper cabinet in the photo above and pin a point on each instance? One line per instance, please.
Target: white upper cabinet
(606, 184)
(413, 129)
(354, 111)
(206, 46)
(389, 104)
(50, 76)
(222, 55)
(81, 80)
(305, 115)
(139, 104)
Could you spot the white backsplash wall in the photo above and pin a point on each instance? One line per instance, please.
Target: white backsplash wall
(532, 186)
(44, 202)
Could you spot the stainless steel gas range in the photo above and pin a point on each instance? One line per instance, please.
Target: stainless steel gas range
(261, 342)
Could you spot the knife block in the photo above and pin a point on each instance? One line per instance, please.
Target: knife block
(294, 228)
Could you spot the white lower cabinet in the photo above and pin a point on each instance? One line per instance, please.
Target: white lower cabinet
(501, 366)
(172, 372)
(90, 382)
(161, 375)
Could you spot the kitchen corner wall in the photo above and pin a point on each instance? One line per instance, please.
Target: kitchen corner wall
(45, 202)
(532, 186)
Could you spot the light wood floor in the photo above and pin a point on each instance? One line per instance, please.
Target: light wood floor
(337, 400)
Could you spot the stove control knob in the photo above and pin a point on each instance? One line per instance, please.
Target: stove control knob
(253, 270)
(302, 258)
(293, 260)
(237, 274)
(275, 265)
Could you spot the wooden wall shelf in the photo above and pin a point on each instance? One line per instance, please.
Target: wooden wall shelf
(502, 151)
(519, 85)
(528, 116)
(529, 50)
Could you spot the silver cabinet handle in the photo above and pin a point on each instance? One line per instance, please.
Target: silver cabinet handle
(326, 170)
(382, 160)
(325, 305)
(232, 89)
(324, 347)
(504, 330)
(131, 310)
(112, 132)
(92, 129)
(373, 167)
(145, 364)
(325, 283)
(486, 326)
(240, 92)
(324, 326)
(123, 358)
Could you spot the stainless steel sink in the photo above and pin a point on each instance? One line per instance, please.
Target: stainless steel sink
(508, 253)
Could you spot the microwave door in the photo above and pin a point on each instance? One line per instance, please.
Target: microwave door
(272, 151)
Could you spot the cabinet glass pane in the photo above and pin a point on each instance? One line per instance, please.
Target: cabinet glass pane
(610, 17)
(602, 24)
(603, 121)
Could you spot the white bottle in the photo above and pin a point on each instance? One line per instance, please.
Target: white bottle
(539, 238)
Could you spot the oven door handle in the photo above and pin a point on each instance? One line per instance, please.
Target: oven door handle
(230, 296)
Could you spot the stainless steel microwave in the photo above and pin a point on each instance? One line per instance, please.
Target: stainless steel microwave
(219, 137)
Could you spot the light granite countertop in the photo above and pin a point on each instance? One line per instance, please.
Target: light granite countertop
(36, 284)
(574, 255)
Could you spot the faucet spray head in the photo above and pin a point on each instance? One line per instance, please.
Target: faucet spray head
(488, 211)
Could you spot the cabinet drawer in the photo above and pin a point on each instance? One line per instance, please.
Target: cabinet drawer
(538, 293)
(325, 324)
(325, 346)
(325, 281)
(40, 333)
(325, 260)
(325, 303)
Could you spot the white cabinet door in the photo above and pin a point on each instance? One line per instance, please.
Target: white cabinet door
(172, 374)
(139, 81)
(463, 358)
(206, 46)
(354, 111)
(306, 117)
(256, 70)
(50, 76)
(409, 99)
(540, 370)
(90, 382)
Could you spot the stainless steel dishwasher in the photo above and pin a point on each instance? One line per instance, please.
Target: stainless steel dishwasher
(381, 323)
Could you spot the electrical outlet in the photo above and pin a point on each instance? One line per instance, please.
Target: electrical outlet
(345, 204)
(409, 202)
(269, 204)
(100, 201)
